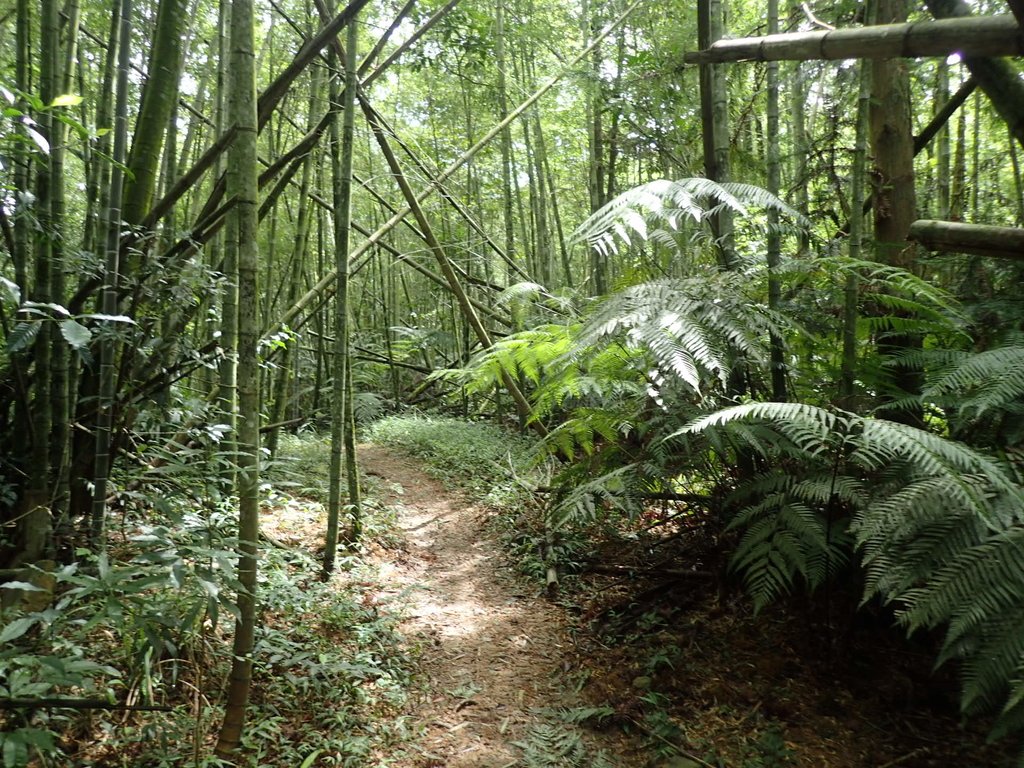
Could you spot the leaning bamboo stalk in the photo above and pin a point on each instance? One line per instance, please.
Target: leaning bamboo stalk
(325, 283)
(998, 78)
(268, 100)
(273, 94)
(420, 165)
(974, 36)
(449, 198)
(383, 40)
(454, 286)
(1017, 6)
(426, 26)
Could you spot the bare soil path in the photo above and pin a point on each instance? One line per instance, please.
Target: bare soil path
(495, 654)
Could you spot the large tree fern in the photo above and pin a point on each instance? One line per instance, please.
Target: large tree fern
(939, 527)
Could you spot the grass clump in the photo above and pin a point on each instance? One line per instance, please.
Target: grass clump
(493, 464)
(302, 465)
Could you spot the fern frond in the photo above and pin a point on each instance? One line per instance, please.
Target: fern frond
(881, 442)
(526, 354)
(906, 533)
(782, 541)
(798, 418)
(940, 527)
(366, 407)
(983, 382)
(586, 502)
(552, 746)
(524, 291)
(580, 432)
(994, 567)
(690, 328)
(669, 204)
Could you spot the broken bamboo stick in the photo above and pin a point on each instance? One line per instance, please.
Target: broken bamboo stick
(979, 239)
(969, 36)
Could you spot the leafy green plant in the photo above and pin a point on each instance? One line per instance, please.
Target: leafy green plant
(552, 746)
(558, 742)
(635, 390)
(152, 612)
(146, 624)
(301, 466)
(980, 394)
(770, 750)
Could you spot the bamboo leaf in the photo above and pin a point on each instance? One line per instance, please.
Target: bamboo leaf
(10, 290)
(24, 586)
(16, 629)
(56, 309)
(107, 318)
(67, 100)
(39, 139)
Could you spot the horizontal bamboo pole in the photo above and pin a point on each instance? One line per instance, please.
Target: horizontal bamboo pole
(979, 239)
(968, 36)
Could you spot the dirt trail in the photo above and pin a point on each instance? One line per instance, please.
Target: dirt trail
(493, 651)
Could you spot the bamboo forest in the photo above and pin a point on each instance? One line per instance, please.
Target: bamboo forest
(511, 383)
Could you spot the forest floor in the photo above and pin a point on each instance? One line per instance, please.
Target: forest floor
(436, 645)
(498, 660)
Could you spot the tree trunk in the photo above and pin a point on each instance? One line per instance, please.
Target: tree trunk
(851, 299)
(22, 451)
(317, 293)
(298, 261)
(35, 522)
(470, 315)
(981, 36)
(1018, 183)
(999, 242)
(894, 207)
(797, 102)
(227, 247)
(999, 78)
(505, 140)
(595, 148)
(774, 244)
(942, 154)
(714, 110)
(539, 199)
